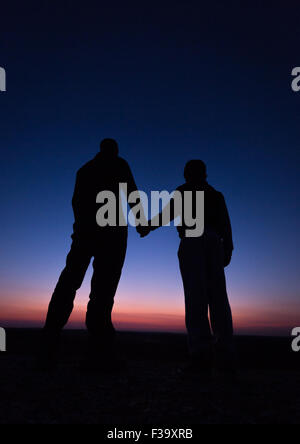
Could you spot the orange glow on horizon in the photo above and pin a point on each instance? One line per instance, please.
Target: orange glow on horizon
(245, 321)
(147, 314)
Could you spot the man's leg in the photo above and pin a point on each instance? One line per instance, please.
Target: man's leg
(193, 270)
(108, 263)
(61, 305)
(220, 311)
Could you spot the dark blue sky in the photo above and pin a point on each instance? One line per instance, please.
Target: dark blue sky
(170, 81)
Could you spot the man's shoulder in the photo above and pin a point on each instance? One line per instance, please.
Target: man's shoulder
(206, 187)
(86, 168)
(93, 165)
(122, 162)
(181, 188)
(215, 192)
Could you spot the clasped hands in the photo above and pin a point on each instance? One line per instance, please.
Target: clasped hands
(144, 230)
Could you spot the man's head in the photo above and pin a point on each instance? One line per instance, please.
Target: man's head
(109, 147)
(195, 171)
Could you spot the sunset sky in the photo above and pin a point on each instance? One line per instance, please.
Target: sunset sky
(170, 82)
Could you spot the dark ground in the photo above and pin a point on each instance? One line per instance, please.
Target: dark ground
(152, 390)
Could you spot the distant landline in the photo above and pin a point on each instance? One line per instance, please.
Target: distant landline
(2, 80)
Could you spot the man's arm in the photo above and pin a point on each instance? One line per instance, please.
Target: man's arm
(132, 188)
(77, 198)
(226, 231)
(170, 212)
(81, 201)
(129, 179)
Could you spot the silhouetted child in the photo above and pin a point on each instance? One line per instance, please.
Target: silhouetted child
(202, 260)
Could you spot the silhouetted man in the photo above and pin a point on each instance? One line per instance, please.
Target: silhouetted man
(107, 245)
(202, 260)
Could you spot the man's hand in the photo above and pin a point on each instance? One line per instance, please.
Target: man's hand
(143, 231)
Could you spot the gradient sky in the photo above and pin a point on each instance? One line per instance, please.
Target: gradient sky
(171, 81)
